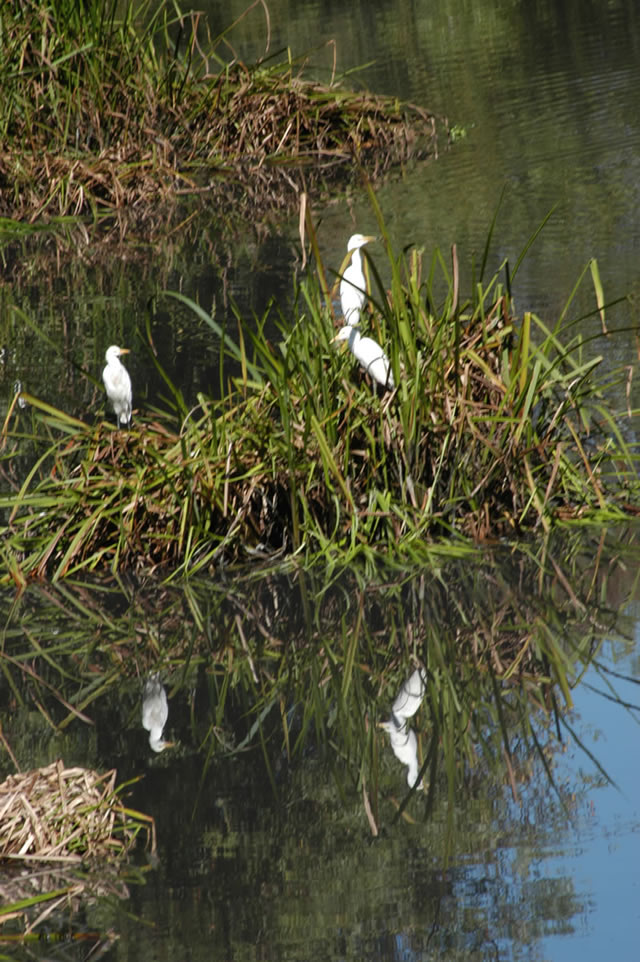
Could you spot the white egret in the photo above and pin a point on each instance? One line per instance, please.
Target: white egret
(117, 384)
(155, 711)
(369, 355)
(353, 286)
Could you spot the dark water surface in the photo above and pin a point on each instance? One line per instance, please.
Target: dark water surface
(548, 98)
(265, 852)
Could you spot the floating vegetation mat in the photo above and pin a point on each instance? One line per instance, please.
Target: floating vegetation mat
(58, 814)
(124, 112)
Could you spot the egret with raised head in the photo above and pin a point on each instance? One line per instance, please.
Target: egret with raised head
(117, 384)
(353, 286)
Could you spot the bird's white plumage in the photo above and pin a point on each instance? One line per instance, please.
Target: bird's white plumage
(369, 355)
(353, 286)
(117, 384)
(404, 743)
(155, 711)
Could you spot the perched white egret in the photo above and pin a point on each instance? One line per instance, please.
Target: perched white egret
(155, 711)
(353, 286)
(369, 354)
(117, 384)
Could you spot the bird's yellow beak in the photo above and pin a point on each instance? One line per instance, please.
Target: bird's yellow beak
(368, 238)
(125, 350)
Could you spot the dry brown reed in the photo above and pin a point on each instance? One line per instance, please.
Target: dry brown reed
(63, 815)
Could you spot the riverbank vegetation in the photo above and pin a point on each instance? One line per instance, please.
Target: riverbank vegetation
(123, 114)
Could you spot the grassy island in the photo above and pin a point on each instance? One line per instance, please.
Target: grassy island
(498, 427)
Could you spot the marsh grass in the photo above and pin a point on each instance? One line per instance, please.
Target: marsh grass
(499, 426)
(121, 113)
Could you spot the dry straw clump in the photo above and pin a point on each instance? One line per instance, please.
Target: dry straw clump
(63, 815)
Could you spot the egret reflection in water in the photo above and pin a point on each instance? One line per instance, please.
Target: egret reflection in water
(404, 743)
(155, 711)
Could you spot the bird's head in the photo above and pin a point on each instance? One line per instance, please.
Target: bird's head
(359, 240)
(114, 352)
(158, 743)
(345, 333)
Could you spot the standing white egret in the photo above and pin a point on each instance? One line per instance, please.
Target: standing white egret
(353, 286)
(117, 384)
(155, 711)
(369, 355)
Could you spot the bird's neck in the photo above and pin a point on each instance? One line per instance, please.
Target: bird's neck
(356, 259)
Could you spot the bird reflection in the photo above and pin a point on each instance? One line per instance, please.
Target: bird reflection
(155, 710)
(404, 743)
(17, 389)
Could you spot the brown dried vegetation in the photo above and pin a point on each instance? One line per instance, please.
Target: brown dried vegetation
(97, 124)
(64, 815)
